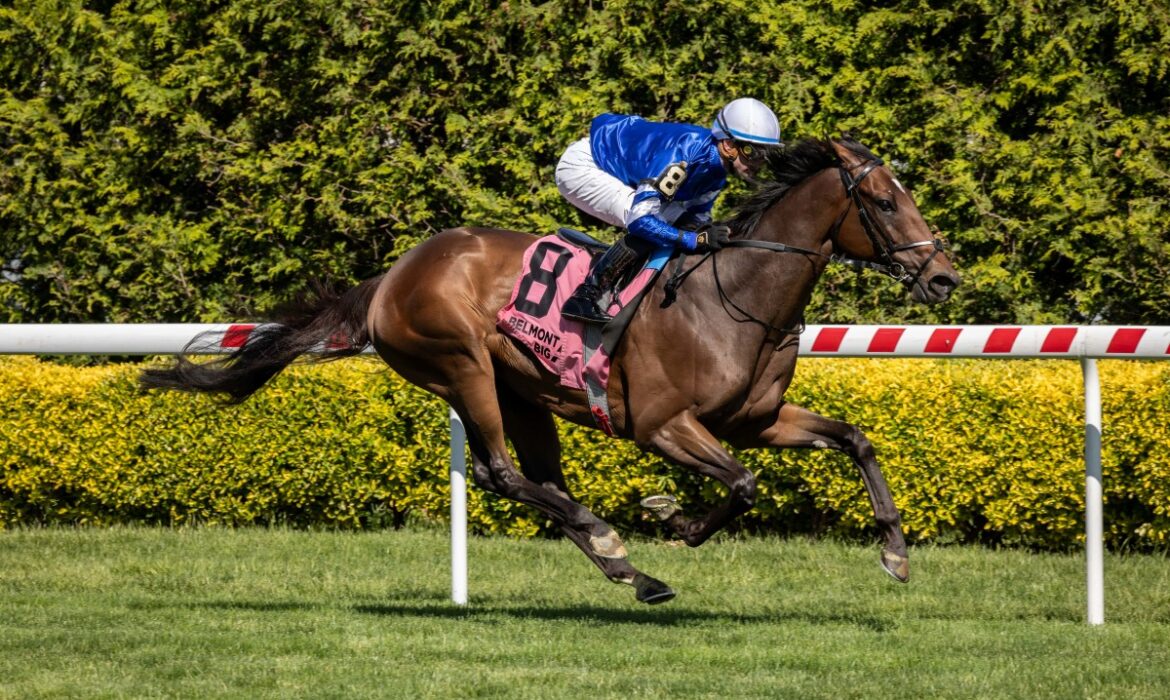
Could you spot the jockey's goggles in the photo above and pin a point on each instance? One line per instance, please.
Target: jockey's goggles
(751, 152)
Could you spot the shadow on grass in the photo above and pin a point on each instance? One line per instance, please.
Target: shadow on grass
(254, 606)
(649, 616)
(438, 606)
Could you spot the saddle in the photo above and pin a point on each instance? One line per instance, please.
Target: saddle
(581, 240)
(578, 354)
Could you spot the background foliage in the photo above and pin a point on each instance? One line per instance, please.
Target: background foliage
(974, 451)
(172, 160)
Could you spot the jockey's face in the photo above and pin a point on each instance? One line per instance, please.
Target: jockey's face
(743, 159)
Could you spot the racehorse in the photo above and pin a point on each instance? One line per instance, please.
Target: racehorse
(713, 365)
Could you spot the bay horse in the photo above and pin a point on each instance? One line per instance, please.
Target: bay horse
(713, 365)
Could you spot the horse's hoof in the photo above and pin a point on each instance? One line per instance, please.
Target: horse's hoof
(662, 506)
(896, 565)
(652, 591)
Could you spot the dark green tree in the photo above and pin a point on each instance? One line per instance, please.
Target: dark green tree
(170, 160)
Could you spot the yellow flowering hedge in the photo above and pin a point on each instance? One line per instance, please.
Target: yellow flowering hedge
(973, 450)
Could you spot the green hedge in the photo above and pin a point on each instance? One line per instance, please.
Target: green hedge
(973, 451)
(186, 160)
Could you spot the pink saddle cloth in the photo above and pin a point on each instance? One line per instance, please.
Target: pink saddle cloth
(551, 271)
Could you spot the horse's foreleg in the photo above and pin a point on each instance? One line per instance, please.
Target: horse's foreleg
(801, 428)
(538, 449)
(685, 441)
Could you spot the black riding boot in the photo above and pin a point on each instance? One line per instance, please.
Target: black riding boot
(604, 273)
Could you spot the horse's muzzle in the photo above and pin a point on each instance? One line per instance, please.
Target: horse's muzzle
(936, 288)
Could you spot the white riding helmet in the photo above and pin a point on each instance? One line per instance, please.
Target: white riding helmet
(747, 119)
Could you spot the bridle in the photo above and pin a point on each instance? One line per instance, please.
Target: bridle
(884, 249)
(882, 246)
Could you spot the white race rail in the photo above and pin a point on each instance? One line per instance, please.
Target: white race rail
(1085, 343)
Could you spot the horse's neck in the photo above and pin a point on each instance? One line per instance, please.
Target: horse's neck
(778, 285)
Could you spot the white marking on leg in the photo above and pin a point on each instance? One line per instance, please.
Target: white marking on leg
(608, 546)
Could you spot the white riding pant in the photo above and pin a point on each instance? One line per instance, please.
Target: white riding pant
(591, 189)
(599, 194)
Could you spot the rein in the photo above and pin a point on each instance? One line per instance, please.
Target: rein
(678, 276)
(884, 248)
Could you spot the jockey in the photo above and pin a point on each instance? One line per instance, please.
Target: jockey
(649, 177)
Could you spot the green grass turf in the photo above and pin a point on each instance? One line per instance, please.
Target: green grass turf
(194, 613)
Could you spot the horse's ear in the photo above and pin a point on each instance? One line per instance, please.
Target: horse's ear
(849, 137)
(841, 147)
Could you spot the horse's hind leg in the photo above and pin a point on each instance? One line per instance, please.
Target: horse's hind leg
(538, 449)
(799, 427)
(472, 393)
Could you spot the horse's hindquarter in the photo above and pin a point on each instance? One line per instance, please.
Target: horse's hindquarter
(442, 297)
(438, 305)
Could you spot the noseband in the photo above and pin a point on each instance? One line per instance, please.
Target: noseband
(883, 247)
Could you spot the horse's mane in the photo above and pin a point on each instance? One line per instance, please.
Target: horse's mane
(789, 166)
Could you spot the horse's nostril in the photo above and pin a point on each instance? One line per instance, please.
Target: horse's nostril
(943, 285)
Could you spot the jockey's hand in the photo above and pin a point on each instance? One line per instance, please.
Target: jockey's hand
(712, 237)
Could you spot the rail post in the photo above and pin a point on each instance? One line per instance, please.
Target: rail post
(1094, 518)
(458, 511)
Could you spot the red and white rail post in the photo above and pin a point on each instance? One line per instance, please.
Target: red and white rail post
(1084, 343)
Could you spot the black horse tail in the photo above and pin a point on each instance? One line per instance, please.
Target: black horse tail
(331, 323)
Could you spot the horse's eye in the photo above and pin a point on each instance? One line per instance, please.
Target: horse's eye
(886, 205)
